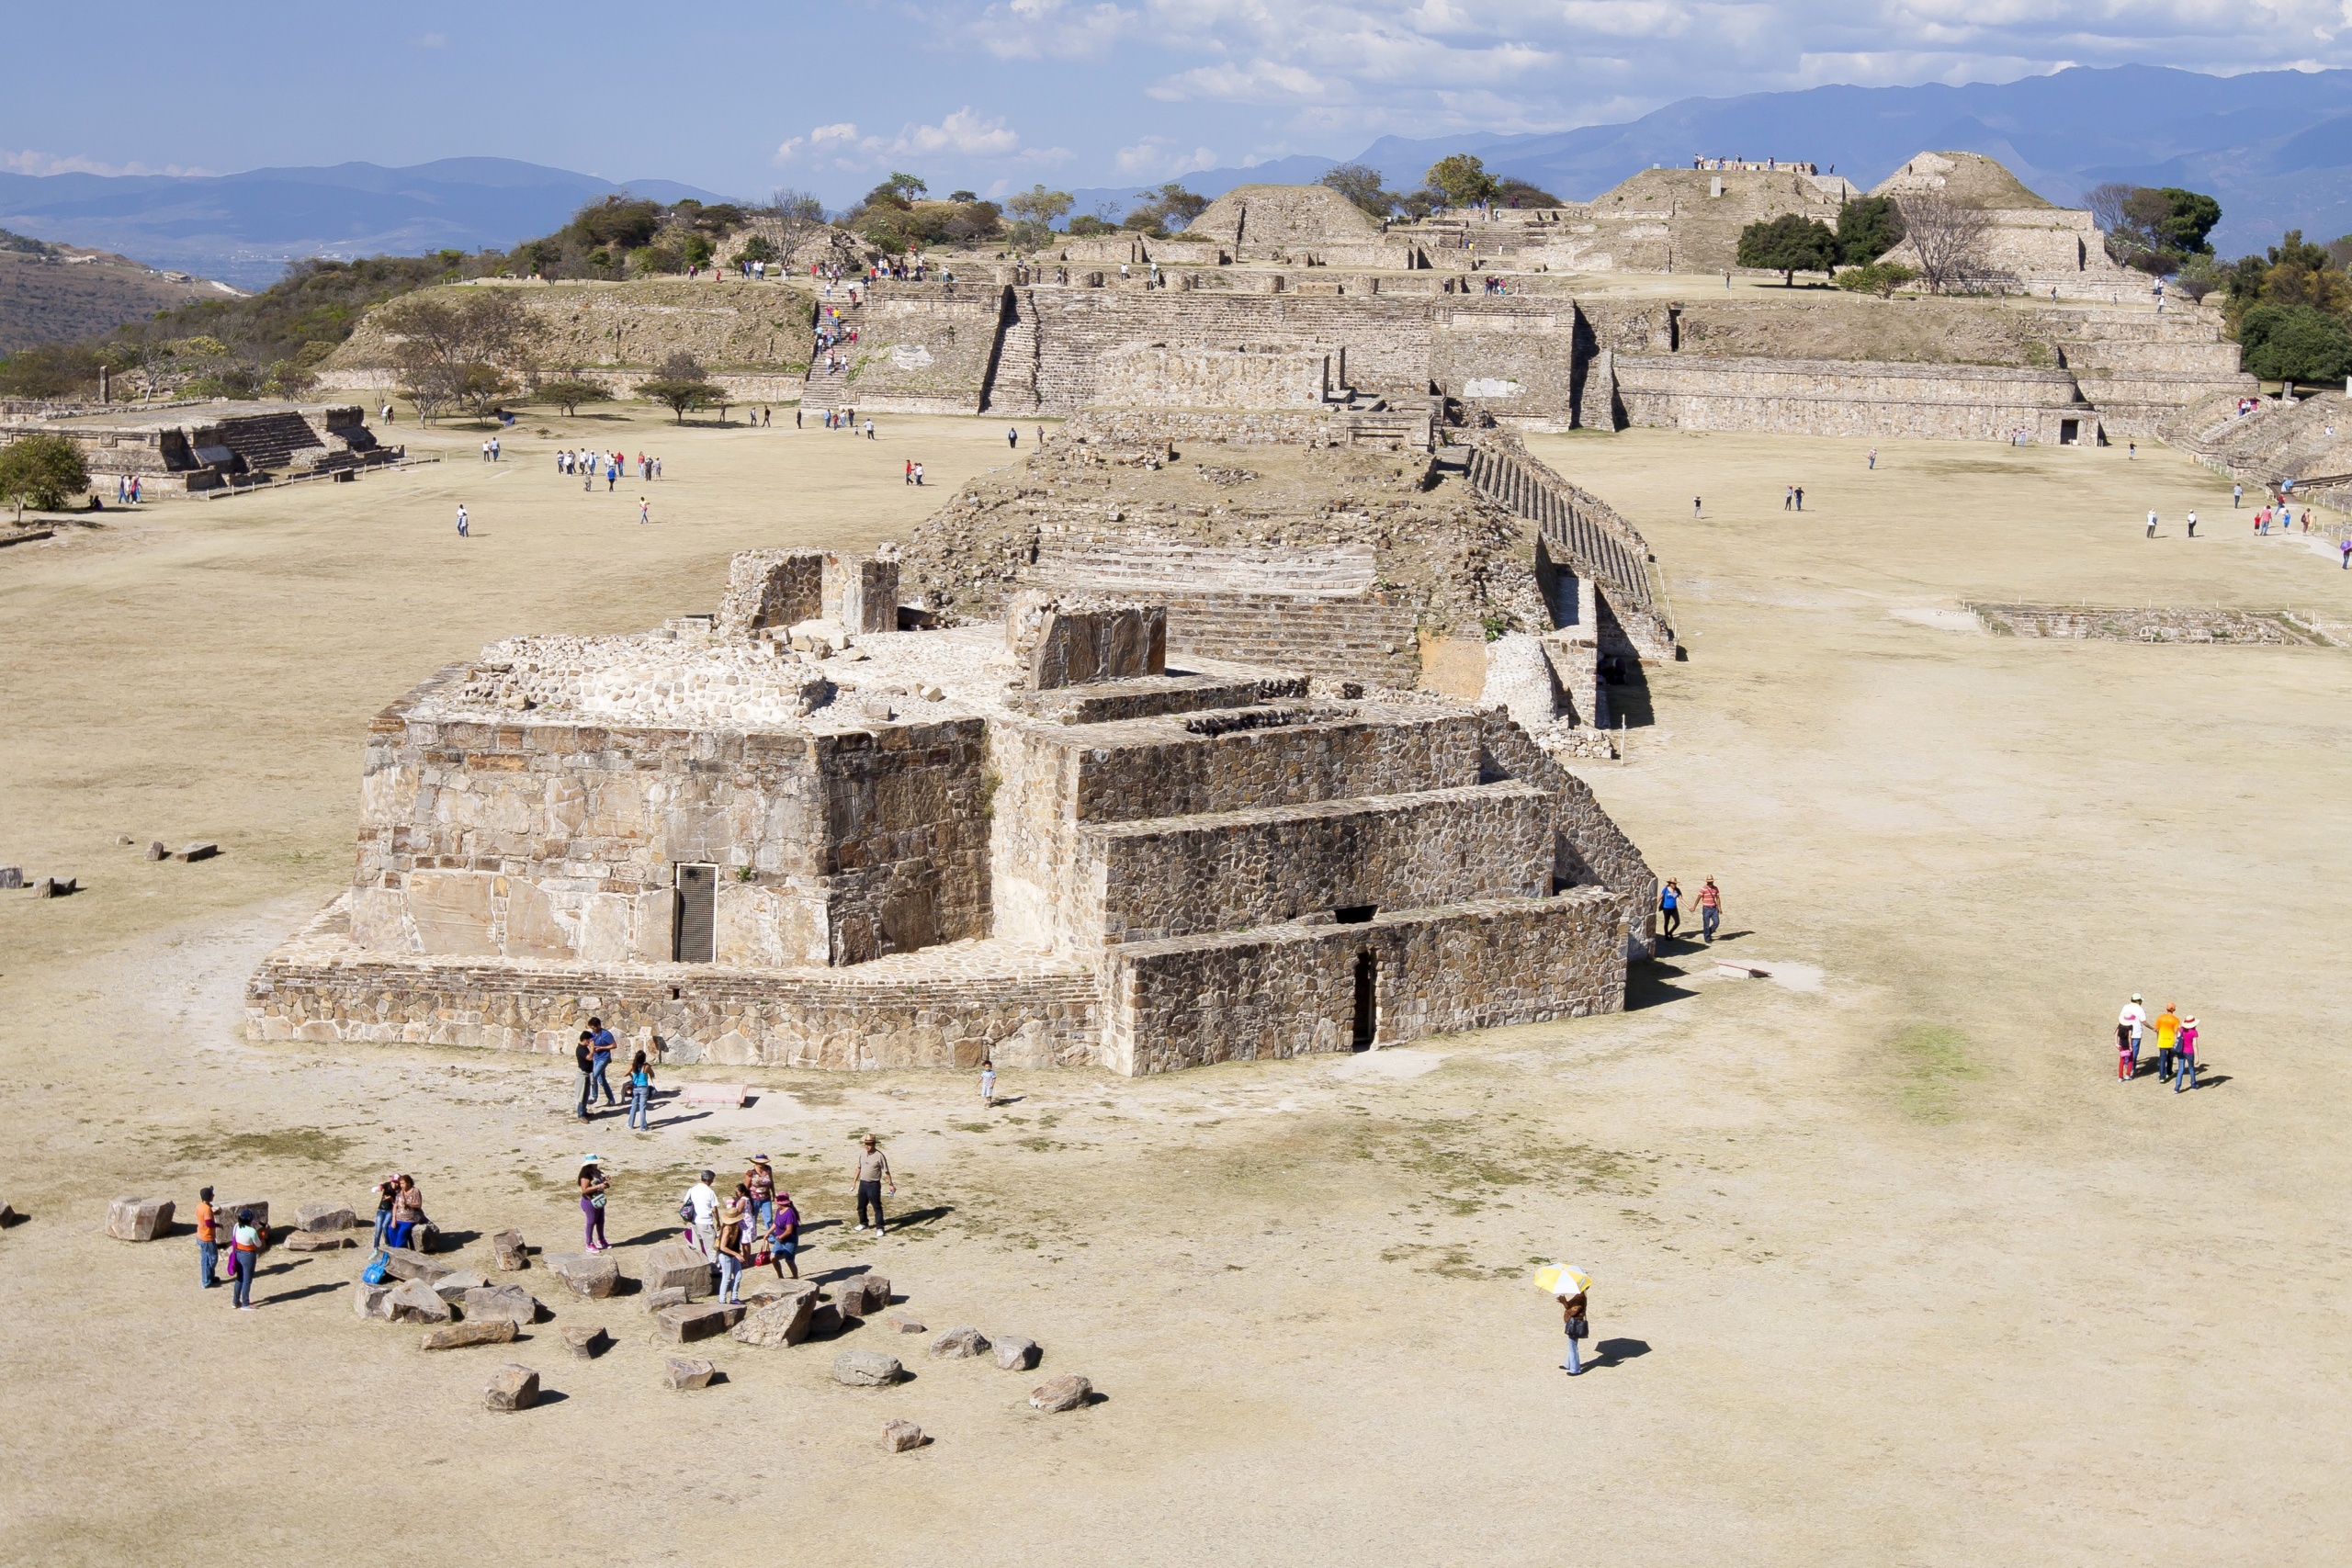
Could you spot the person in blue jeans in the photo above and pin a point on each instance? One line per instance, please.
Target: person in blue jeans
(1572, 1313)
(245, 1249)
(1669, 908)
(2185, 1075)
(641, 1087)
(387, 1192)
(601, 1045)
(208, 1249)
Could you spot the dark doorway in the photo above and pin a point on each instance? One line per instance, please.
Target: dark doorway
(2070, 432)
(696, 926)
(1354, 914)
(1367, 1001)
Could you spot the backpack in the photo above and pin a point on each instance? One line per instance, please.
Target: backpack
(377, 1267)
(686, 1209)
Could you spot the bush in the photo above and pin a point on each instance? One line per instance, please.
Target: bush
(1789, 244)
(1876, 279)
(570, 391)
(41, 471)
(1868, 227)
(757, 249)
(2295, 343)
(1087, 223)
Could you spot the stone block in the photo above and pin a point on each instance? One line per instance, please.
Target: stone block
(511, 1252)
(228, 1213)
(453, 1286)
(1016, 1354)
(196, 851)
(685, 1372)
(905, 1324)
(155, 850)
(1067, 1392)
(586, 1343)
(825, 1322)
(1071, 640)
(325, 1216)
(458, 1336)
(414, 1301)
(512, 1303)
(320, 1241)
(690, 1321)
(958, 1343)
(512, 1387)
(139, 1219)
(424, 1238)
(402, 1264)
(862, 1295)
(866, 1368)
(12, 877)
(784, 1321)
(731, 1095)
(897, 1436)
(675, 1264)
(668, 1296)
(371, 1301)
(591, 1274)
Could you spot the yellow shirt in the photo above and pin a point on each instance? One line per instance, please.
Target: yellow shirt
(2167, 1025)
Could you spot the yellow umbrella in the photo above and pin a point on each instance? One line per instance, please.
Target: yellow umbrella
(1560, 1280)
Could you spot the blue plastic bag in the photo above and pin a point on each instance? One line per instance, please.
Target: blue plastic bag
(377, 1267)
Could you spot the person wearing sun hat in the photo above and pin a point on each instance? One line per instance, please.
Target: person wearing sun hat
(2127, 1025)
(2185, 1073)
(760, 1178)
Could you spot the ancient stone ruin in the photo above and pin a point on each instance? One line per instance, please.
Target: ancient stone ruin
(193, 447)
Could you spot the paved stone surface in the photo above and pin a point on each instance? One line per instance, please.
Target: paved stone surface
(684, 1371)
(1067, 1392)
(458, 1336)
(512, 1387)
(593, 1275)
(958, 1343)
(866, 1368)
(139, 1219)
(1016, 1354)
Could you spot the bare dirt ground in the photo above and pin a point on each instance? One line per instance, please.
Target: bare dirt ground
(1889, 1267)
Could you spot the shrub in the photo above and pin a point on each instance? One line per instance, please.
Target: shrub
(2295, 343)
(42, 471)
(1881, 279)
(1789, 244)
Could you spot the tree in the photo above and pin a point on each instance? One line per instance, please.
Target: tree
(43, 470)
(796, 214)
(758, 248)
(900, 190)
(2295, 343)
(480, 387)
(1513, 192)
(1947, 237)
(1868, 227)
(1037, 205)
(570, 391)
(1360, 183)
(1881, 278)
(1789, 244)
(2199, 278)
(2156, 228)
(1169, 207)
(1462, 179)
(453, 346)
(682, 383)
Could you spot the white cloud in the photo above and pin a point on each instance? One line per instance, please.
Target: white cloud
(30, 163)
(433, 40)
(1160, 158)
(1051, 29)
(963, 132)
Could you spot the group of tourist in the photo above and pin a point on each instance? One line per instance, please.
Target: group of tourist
(613, 464)
(1669, 909)
(2176, 1044)
(490, 450)
(125, 489)
(592, 1055)
(756, 1225)
(842, 418)
(246, 1242)
(2281, 518)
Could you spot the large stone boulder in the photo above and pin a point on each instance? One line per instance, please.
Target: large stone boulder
(593, 1275)
(675, 1264)
(668, 1296)
(227, 1215)
(1016, 1354)
(904, 1323)
(512, 1253)
(139, 1219)
(512, 1387)
(866, 1368)
(1067, 1392)
(453, 1286)
(686, 1372)
(325, 1216)
(320, 1241)
(584, 1343)
(425, 1237)
(690, 1321)
(825, 1322)
(372, 1301)
(414, 1301)
(402, 1264)
(958, 1343)
(512, 1303)
(458, 1336)
(897, 1436)
(862, 1295)
(784, 1321)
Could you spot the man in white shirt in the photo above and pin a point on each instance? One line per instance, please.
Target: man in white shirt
(704, 1200)
(2129, 1024)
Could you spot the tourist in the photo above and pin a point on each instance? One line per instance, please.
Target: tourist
(1711, 909)
(909, 476)
(2167, 1027)
(1789, 499)
(1799, 495)
(1572, 1316)
(463, 530)
(759, 1187)
(1873, 460)
(593, 1187)
(2192, 521)
(796, 413)
(2344, 552)
(612, 476)
(244, 1243)
(701, 1211)
(2237, 493)
(583, 1055)
(601, 1045)
(918, 472)
(2186, 1077)
(640, 1089)
(644, 510)
(387, 1190)
(1694, 508)
(1669, 908)
(730, 1253)
(493, 448)
(2127, 1025)
(207, 1239)
(2152, 523)
(2131, 449)
(869, 435)
(987, 1084)
(1012, 436)
(873, 1170)
(783, 1237)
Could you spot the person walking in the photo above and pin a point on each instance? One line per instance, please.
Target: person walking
(1694, 508)
(640, 1089)
(2152, 523)
(2237, 497)
(601, 1046)
(1799, 495)
(1789, 499)
(1579, 1327)
(783, 1237)
(2192, 521)
(1711, 911)
(2344, 552)
(2127, 1025)
(873, 1170)
(244, 1243)
(988, 1086)
(584, 1056)
(1669, 908)
(207, 1239)
(1012, 436)
(644, 510)
(464, 531)
(918, 476)
(593, 1188)
(2167, 1027)
(701, 1212)
(493, 449)
(1873, 460)
(2185, 1076)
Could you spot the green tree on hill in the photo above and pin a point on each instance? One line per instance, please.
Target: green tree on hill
(1868, 227)
(1462, 179)
(43, 470)
(570, 392)
(1360, 183)
(2295, 343)
(682, 383)
(1789, 244)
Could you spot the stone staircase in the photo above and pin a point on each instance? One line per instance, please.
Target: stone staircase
(1580, 529)
(271, 443)
(1012, 386)
(2140, 369)
(2277, 442)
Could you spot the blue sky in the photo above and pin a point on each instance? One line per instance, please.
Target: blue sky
(999, 94)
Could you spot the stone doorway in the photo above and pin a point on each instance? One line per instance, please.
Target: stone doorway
(697, 922)
(1367, 1024)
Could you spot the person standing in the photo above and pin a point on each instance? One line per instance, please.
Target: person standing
(702, 1210)
(245, 1242)
(2237, 497)
(1012, 436)
(783, 1237)
(1789, 499)
(987, 1084)
(2152, 523)
(873, 1170)
(583, 1057)
(918, 476)
(2127, 1025)
(2186, 1078)
(730, 1254)
(2192, 521)
(1669, 908)
(1711, 911)
(759, 1187)
(1799, 495)
(1694, 508)
(640, 1089)
(2344, 552)
(463, 530)
(207, 1239)
(1873, 460)
(869, 435)
(1579, 1327)
(601, 1046)
(2167, 1027)
(387, 1192)
(592, 1189)
(493, 449)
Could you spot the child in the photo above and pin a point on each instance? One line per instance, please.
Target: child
(987, 1084)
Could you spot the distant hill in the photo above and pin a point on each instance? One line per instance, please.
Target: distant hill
(2274, 146)
(246, 228)
(61, 293)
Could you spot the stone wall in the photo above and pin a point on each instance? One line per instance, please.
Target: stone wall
(1950, 402)
(1156, 375)
(636, 325)
(924, 347)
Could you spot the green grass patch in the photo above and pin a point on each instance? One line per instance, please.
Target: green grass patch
(1932, 1066)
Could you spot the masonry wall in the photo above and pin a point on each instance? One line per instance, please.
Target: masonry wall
(1847, 398)
(924, 348)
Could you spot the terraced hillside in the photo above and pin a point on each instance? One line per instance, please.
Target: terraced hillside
(62, 294)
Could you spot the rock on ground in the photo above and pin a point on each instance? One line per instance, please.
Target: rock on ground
(684, 1371)
(402, 1264)
(584, 1343)
(958, 1343)
(784, 1321)
(668, 1296)
(453, 1286)
(139, 1219)
(458, 1336)
(512, 1253)
(372, 1301)
(512, 1387)
(905, 1324)
(861, 1294)
(897, 1436)
(1067, 1392)
(825, 1322)
(1016, 1354)
(319, 1241)
(325, 1216)
(591, 1274)
(512, 1303)
(690, 1321)
(866, 1368)
(674, 1265)
(414, 1301)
